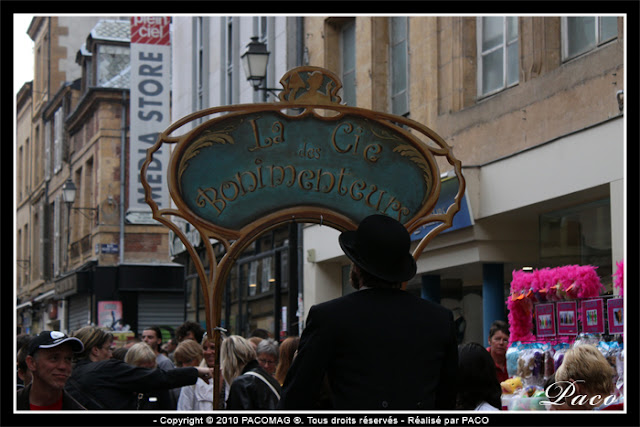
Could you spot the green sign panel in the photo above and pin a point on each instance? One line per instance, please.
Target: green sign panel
(235, 170)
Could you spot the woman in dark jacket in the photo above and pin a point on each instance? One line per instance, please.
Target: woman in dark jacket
(100, 382)
(478, 387)
(251, 386)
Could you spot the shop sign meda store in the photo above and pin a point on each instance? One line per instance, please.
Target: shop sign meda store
(149, 113)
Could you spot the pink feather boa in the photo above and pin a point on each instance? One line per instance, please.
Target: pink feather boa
(568, 282)
(618, 277)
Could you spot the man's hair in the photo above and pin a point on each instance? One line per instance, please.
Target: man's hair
(268, 346)
(156, 330)
(498, 325)
(260, 333)
(22, 358)
(22, 340)
(190, 326)
(140, 353)
(91, 336)
(369, 280)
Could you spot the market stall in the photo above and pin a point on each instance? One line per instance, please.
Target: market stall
(551, 310)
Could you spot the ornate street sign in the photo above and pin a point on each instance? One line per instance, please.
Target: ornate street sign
(306, 158)
(233, 172)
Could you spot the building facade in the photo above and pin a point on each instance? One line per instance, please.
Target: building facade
(89, 263)
(262, 290)
(532, 106)
(56, 40)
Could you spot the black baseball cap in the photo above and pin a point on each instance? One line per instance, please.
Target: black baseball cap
(50, 339)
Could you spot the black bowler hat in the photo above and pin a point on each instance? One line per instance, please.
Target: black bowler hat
(380, 246)
(50, 339)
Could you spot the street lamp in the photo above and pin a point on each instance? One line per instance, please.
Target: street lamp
(255, 60)
(69, 192)
(69, 196)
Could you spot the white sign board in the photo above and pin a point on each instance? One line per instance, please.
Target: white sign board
(149, 111)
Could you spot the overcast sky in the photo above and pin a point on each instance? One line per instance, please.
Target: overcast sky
(22, 51)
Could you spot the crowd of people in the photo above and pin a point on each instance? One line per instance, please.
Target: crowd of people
(83, 371)
(377, 348)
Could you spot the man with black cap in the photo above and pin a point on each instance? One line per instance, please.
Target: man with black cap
(49, 359)
(380, 347)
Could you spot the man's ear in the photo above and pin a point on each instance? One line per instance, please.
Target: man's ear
(94, 351)
(31, 363)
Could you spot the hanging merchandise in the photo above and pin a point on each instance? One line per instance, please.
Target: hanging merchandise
(547, 286)
(618, 278)
(550, 311)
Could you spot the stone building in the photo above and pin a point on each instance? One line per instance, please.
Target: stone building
(532, 106)
(39, 165)
(88, 260)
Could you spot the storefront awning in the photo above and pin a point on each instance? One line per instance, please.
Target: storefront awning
(48, 294)
(24, 305)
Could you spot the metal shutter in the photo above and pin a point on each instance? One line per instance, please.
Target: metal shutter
(160, 309)
(78, 310)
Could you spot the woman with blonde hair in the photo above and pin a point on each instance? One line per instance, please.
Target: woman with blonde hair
(584, 380)
(251, 386)
(197, 397)
(188, 353)
(99, 381)
(143, 356)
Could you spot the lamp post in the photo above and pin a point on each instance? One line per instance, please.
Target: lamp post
(68, 196)
(69, 191)
(254, 61)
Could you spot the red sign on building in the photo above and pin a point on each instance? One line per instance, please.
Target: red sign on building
(150, 30)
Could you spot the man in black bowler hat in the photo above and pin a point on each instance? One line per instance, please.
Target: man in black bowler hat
(380, 347)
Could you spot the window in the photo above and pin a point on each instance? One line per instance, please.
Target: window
(20, 261)
(37, 161)
(21, 172)
(584, 33)
(111, 62)
(88, 73)
(57, 140)
(348, 62)
(200, 65)
(260, 28)
(47, 150)
(578, 235)
(399, 66)
(498, 65)
(229, 62)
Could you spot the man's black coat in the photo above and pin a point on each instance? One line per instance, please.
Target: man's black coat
(380, 349)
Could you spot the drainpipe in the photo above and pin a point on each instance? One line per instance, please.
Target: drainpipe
(48, 58)
(123, 156)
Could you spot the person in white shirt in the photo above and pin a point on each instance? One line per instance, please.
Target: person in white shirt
(197, 397)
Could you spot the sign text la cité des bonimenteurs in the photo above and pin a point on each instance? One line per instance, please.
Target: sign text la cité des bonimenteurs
(238, 169)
